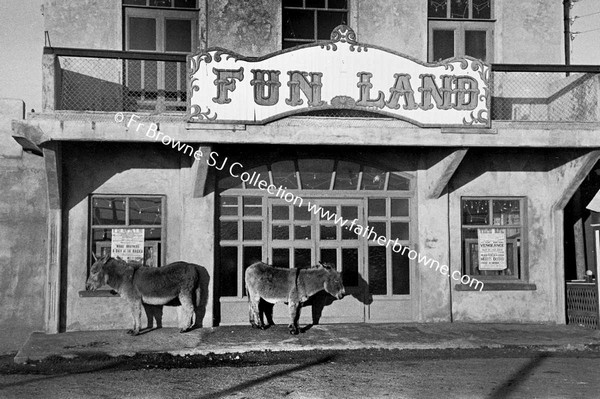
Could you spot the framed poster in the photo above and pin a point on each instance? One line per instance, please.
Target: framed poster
(491, 249)
(128, 244)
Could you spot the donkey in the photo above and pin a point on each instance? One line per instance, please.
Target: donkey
(151, 285)
(292, 286)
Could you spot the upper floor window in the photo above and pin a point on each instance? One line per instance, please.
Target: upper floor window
(460, 27)
(162, 3)
(306, 21)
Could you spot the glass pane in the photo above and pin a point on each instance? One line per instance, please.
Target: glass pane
(229, 206)
(327, 21)
(328, 211)
(301, 213)
(329, 255)
(228, 271)
(185, 4)
(337, 4)
(377, 207)
(378, 227)
(302, 257)
(171, 81)
(281, 232)
(400, 274)
(459, 9)
(134, 75)
(475, 44)
(372, 179)
(178, 35)
(350, 212)
(142, 34)
(152, 234)
(252, 206)
(281, 212)
(346, 176)
(315, 3)
(281, 257)
(256, 175)
(302, 232)
(377, 271)
(400, 231)
(298, 24)
(315, 173)
(253, 231)
(292, 3)
(108, 211)
(348, 233)
(476, 212)
(328, 232)
(443, 44)
(160, 3)
(150, 78)
(399, 206)
(144, 211)
(437, 9)
(229, 230)
(134, 2)
(398, 183)
(350, 275)
(506, 212)
(482, 9)
(284, 174)
(251, 255)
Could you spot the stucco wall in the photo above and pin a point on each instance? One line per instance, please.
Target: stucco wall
(542, 176)
(397, 25)
(529, 32)
(125, 169)
(88, 24)
(250, 28)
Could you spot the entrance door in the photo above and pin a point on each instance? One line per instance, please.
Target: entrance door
(301, 238)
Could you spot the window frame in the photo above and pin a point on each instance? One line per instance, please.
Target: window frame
(315, 10)
(523, 277)
(92, 249)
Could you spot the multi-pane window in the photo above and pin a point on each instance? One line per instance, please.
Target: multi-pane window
(493, 231)
(127, 214)
(459, 28)
(165, 26)
(306, 21)
(257, 226)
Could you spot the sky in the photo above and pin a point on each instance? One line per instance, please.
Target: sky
(585, 47)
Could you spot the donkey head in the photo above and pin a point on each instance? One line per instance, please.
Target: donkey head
(98, 277)
(333, 282)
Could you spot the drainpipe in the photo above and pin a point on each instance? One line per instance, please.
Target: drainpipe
(567, 25)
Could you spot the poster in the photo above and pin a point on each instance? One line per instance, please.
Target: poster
(127, 244)
(492, 249)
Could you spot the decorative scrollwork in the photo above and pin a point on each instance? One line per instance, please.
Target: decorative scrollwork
(196, 113)
(343, 102)
(344, 34)
(480, 118)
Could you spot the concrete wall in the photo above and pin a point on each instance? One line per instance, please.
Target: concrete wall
(542, 176)
(22, 235)
(397, 25)
(528, 32)
(250, 28)
(113, 169)
(89, 24)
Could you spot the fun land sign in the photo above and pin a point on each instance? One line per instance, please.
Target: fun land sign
(337, 74)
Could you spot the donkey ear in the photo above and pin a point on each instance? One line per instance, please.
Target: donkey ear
(95, 257)
(105, 258)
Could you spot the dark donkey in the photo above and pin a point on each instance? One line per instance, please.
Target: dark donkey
(293, 286)
(151, 285)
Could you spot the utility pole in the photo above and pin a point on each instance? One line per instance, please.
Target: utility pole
(567, 24)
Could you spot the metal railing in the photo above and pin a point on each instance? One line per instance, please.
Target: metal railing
(582, 304)
(111, 81)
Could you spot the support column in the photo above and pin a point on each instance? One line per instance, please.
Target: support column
(52, 159)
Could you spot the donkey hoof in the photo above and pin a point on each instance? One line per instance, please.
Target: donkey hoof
(133, 332)
(184, 330)
(294, 331)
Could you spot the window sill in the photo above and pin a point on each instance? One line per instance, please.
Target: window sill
(498, 286)
(99, 293)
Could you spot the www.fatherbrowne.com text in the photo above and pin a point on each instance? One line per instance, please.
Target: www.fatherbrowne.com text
(236, 169)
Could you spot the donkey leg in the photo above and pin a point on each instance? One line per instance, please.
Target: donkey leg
(187, 312)
(294, 308)
(136, 313)
(255, 320)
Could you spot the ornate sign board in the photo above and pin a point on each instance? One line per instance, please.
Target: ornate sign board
(337, 74)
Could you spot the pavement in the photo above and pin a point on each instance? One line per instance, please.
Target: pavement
(240, 339)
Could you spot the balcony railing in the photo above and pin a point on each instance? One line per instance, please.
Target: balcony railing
(111, 81)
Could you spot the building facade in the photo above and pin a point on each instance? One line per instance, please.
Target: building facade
(115, 74)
